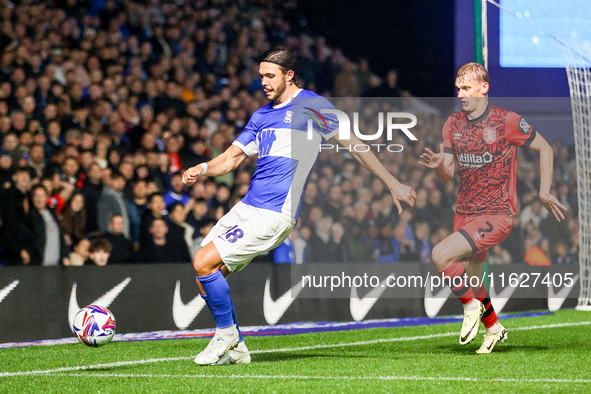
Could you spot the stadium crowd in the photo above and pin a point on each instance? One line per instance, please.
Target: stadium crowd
(104, 102)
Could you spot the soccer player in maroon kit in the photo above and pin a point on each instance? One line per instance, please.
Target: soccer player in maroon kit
(483, 141)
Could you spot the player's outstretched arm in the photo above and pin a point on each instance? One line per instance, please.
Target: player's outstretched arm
(224, 163)
(443, 163)
(399, 191)
(540, 145)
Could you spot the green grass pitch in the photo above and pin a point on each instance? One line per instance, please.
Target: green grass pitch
(549, 353)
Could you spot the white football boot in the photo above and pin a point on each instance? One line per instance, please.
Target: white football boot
(491, 340)
(225, 339)
(239, 355)
(471, 323)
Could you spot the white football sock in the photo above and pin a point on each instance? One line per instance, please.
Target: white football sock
(227, 332)
(471, 305)
(495, 328)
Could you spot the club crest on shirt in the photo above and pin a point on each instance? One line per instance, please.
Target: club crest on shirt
(490, 135)
(288, 116)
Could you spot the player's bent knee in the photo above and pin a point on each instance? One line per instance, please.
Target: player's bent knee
(200, 264)
(205, 263)
(440, 257)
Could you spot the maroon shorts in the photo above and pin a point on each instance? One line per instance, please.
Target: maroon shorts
(483, 232)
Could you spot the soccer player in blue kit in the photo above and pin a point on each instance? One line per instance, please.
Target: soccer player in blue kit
(265, 217)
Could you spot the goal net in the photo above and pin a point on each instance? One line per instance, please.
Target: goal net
(578, 69)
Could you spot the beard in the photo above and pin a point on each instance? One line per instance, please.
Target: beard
(276, 93)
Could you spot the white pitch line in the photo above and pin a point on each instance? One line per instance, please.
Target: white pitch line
(294, 349)
(96, 366)
(296, 377)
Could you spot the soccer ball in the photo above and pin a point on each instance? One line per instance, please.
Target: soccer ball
(94, 325)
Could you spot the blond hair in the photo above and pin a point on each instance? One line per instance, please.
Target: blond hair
(472, 71)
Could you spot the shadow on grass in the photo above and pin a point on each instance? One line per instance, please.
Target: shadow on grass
(264, 358)
(470, 350)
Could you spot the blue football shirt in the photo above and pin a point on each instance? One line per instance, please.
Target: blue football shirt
(286, 153)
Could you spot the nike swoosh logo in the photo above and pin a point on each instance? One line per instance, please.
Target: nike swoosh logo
(433, 304)
(184, 314)
(500, 300)
(555, 300)
(476, 324)
(5, 291)
(105, 300)
(274, 310)
(360, 307)
(498, 341)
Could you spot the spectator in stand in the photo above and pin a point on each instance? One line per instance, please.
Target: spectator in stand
(5, 171)
(37, 160)
(177, 192)
(60, 191)
(12, 193)
(333, 206)
(136, 208)
(403, 246)
(222, 197)
(424, 246)
(70, 169)
(300, 242)
(535, 255)
(389, 251)
(92, 189)
(74, 219)
(421, 211)
(534, 213)
(50, 248)
(197, 208)
(309, 200)
(359, 250)
(498, 255)
(318, 250)
(558, 233)
(204, 229)
(515, 242)
(158, 249)
(18, 236)
(112, 203)
(122, 251)
(99, 252)
(346, 84)
(79, 252)
(390, 86)
(363, 75)
(563, 256)
(338, 245)
(179, 232)
(441, 215)
(155, 211)
(405, 220)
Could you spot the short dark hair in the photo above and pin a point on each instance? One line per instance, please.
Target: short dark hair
(155, 195)
(117, 174)
(100, 244)
(281, 57)
(34, 189)
(173, 205)
(200, 200)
